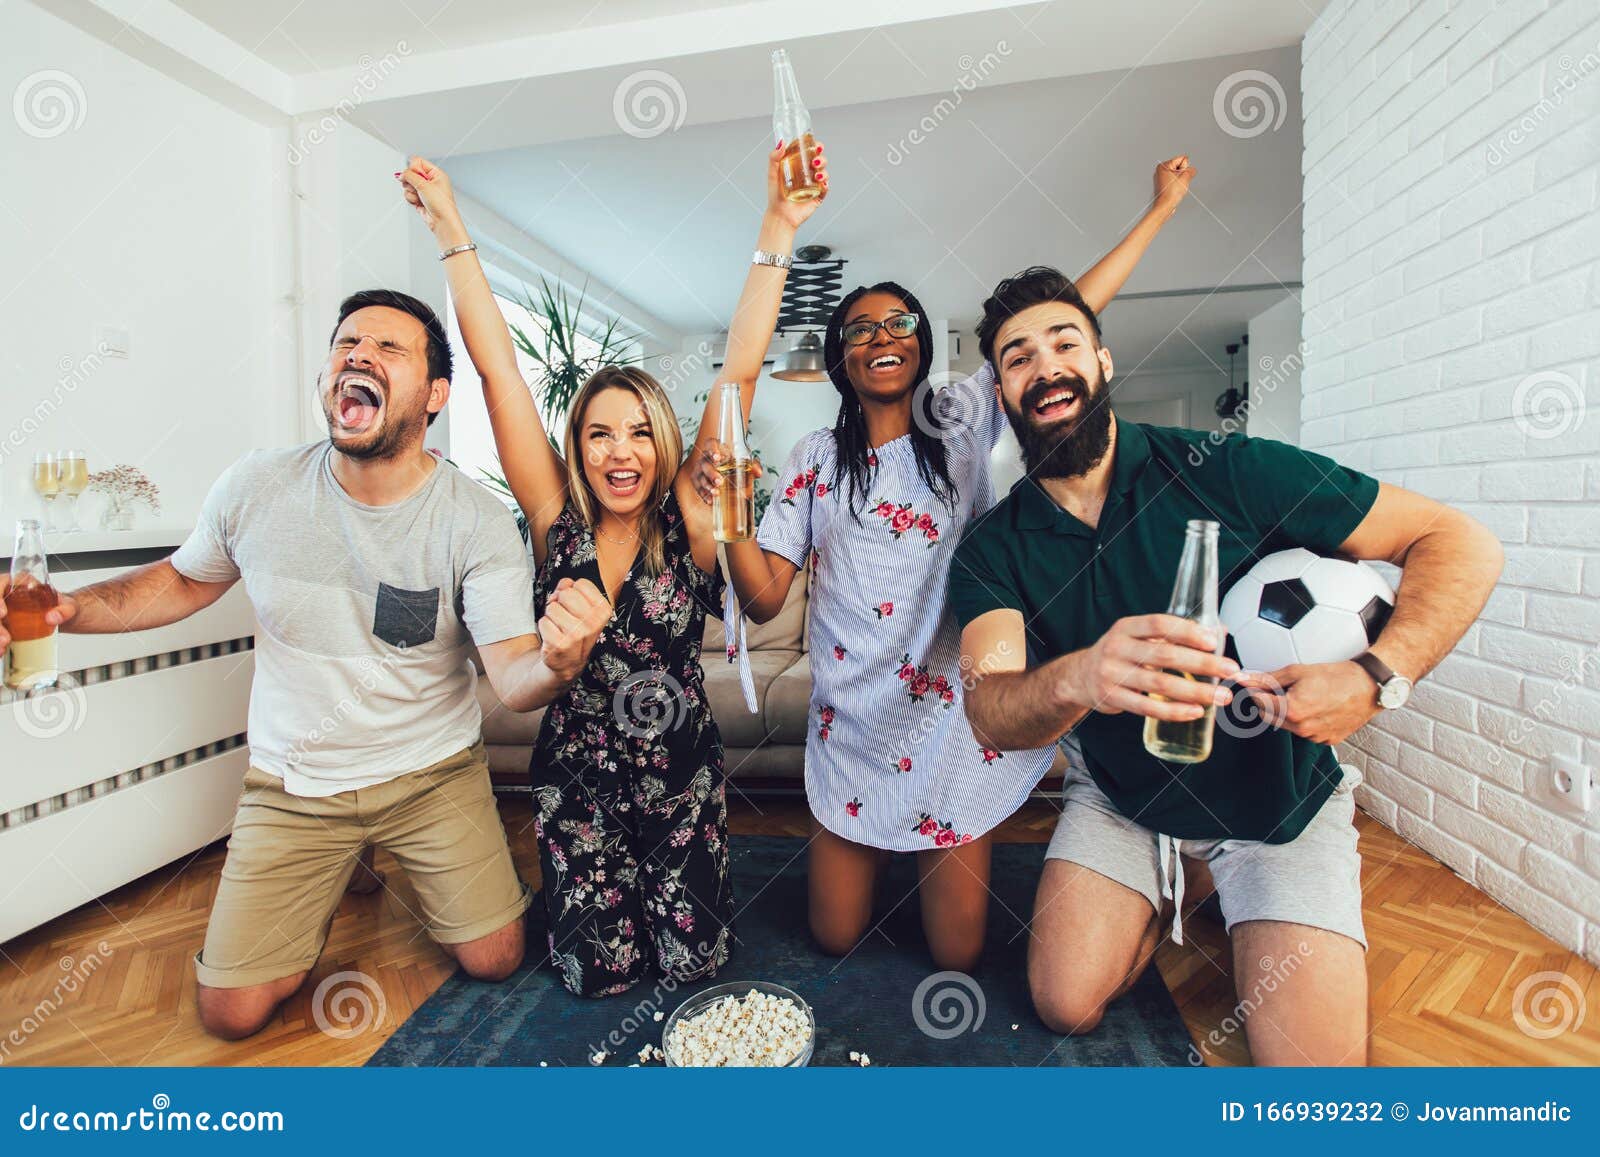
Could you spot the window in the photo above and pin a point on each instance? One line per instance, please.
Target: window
(471, 436)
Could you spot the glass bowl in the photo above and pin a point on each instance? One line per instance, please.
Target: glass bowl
(701, 1001)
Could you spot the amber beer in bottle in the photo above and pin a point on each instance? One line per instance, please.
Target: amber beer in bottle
(31, 657)
(734, 516)
(1194, 596)
(791, 124)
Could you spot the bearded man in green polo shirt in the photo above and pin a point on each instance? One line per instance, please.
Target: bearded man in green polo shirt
(1071, 571)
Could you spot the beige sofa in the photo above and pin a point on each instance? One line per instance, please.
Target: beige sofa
(764, 749)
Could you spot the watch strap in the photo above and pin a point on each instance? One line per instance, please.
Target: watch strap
(1376, 667)
(767, 257)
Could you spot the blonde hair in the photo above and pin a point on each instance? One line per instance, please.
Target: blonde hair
(664, 432)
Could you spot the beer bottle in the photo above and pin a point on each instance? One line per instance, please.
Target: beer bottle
(31, 657)
(791, 124)
(1194, 596)
(734, 516)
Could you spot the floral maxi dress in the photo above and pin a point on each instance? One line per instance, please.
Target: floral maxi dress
(627, 776)
(890, 759)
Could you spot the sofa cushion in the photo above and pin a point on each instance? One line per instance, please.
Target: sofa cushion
(739, 727)
(787, 706)
(503, 726)
(785, 631)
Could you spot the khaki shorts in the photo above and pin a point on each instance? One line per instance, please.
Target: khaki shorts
(291, 857)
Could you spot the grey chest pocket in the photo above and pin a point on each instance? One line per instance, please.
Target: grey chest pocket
(406, 618)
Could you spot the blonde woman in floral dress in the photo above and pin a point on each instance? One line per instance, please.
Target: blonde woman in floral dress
(627, 770)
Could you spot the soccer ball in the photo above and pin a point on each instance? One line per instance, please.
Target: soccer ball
(1299, 607)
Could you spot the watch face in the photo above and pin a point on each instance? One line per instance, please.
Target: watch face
(1395, 692)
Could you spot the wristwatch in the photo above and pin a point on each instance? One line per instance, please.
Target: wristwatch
(767, 257)
(1393, 690)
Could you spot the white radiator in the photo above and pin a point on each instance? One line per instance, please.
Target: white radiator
(135, 763)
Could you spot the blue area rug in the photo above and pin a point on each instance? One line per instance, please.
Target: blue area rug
(863, 1003)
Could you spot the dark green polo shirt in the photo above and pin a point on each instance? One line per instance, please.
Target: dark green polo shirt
(1072, 582)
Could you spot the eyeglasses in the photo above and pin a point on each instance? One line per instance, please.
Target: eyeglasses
(861, 332)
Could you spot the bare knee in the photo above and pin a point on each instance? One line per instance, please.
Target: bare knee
(236, 1013)
(957, 957)
(835, 939)
(493, 957)
(1069, 1010)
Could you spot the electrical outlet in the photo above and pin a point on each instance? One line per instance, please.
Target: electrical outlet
(1572, 784)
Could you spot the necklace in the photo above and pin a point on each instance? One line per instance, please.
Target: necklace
(617, 541)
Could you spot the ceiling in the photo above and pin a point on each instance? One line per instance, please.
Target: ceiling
(1039, 125)
(1047, 171)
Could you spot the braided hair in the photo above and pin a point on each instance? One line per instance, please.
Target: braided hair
(850, 427)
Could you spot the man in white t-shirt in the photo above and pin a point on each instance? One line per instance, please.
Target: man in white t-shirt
(372, 566)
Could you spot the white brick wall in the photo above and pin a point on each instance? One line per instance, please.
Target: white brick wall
(1452, 325)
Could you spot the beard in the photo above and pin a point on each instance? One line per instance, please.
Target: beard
(1060, 449)
(395, 431)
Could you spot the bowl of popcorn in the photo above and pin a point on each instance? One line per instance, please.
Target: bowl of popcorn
(744, 1024)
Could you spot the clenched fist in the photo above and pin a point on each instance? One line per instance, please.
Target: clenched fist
(1172, 180)
(427, 188)
(574, 616)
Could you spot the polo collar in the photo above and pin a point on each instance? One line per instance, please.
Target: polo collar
(1036, 510)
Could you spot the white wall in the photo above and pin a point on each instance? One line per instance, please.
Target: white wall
(1452, 297)
(156, 214)
(1274, 365)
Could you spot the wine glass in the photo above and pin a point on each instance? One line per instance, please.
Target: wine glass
(72, 471)
(46, 484)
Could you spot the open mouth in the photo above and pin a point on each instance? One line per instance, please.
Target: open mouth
(357, 402)
(622, 483)
(1061, 402)
(885, 363)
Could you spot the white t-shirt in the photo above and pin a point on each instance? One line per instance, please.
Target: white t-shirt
(365, 613)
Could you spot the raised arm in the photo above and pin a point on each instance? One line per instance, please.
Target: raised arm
(534, 470)
(1103, 282)
(153, 595)
(754, 320)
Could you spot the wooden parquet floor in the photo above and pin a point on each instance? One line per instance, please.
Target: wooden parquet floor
(112, 984)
